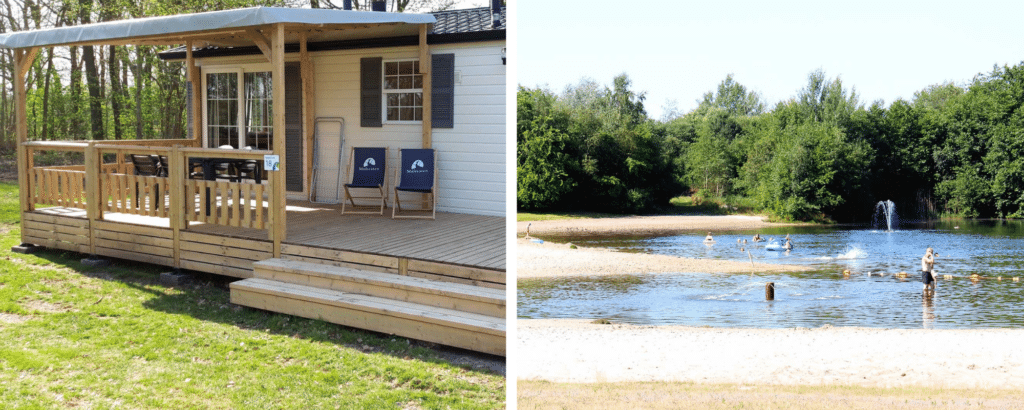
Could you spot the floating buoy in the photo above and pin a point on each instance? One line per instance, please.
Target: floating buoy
(846, 272)
(902, 274)
(947, 276)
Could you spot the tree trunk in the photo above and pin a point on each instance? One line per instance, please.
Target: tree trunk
(47, 130)
(137, 73)
(114, 71)
(95, 98)
(76, 95)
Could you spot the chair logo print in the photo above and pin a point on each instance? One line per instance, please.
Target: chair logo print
(369, 162)
(416, 164)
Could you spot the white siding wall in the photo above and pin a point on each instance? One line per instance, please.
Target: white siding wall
(471, 156)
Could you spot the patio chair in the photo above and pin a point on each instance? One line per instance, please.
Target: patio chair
(145, 165)
(418, 174)
(368, 171)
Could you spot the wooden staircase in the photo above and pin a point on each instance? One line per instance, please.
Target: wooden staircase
(454, 314)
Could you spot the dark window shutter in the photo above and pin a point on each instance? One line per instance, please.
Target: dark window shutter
(293, 127)
(188, 109)
(370, 96)
(442, 94)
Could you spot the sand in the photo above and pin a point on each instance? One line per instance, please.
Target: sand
(550, 259)
(578, 351)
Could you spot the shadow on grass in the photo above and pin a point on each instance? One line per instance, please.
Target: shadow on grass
(208, 298)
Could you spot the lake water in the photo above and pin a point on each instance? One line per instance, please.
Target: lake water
(807, 299)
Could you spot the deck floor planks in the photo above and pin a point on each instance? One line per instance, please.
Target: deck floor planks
(462, 239)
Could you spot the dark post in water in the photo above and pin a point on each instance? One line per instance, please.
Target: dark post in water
(769, 291)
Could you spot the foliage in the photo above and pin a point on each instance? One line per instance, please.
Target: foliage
(592, 149)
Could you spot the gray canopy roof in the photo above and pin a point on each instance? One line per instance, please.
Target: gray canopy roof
(218, 28)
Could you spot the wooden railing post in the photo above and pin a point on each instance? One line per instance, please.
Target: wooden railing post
(93, 192)
(177, 202)
(22, 62)
(277, 203)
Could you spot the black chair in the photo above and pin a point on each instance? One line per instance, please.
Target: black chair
(418, 174)
(368, 170)
(250, 169)
(146, 165)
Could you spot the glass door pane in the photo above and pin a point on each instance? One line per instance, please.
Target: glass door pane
(259, 111)
(222, 109)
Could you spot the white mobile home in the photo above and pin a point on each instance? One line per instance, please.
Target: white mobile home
(298, 88)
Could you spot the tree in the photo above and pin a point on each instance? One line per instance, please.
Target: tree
(732, 97)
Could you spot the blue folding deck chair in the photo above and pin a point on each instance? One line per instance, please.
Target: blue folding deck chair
(418, 174)
(368, 171)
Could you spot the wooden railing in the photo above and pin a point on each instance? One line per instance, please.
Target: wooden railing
(58, 187)
(111, 187)
(226, 203)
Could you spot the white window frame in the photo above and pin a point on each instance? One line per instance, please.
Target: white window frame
(240, 71)
(385, 92)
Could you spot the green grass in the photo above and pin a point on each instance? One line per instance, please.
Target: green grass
(113, 337)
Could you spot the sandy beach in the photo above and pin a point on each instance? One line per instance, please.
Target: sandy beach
(577, 351)
(580, 352)
(550, 259)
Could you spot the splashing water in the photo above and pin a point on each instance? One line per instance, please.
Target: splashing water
(852, 252)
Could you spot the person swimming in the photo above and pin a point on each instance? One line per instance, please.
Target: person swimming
(758, 238)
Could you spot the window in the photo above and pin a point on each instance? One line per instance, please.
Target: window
(403, 91)
(227, 103)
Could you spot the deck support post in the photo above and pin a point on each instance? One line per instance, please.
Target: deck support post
(426, 68)
(93, 193)
(769, 291)
(177, 200)
(277, 195)
(22, 62)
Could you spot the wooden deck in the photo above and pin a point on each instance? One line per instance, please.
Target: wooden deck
(456, 239)
(460, 239)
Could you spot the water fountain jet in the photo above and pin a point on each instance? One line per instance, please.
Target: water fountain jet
(885, 210)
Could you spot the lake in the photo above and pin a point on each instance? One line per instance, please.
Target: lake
(807, 299)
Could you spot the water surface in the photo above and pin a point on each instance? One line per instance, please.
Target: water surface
(871, 296)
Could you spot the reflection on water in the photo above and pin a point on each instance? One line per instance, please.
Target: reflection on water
(801, 300)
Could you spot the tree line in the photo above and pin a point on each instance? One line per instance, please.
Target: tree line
(821, 155)
(114, 92)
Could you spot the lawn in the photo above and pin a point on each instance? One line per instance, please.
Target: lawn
(114, 337)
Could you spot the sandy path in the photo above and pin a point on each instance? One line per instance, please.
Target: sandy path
(577, 351)
(644, 225)
(550, 259)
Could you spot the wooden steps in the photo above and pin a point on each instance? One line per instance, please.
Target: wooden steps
(465, 316)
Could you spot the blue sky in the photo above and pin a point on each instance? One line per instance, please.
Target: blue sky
(678, 50)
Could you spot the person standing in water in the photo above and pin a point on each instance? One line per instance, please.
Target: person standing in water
(709, 238)
(927, 271)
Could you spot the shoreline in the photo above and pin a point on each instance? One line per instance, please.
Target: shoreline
(646, 225)
(576, 351)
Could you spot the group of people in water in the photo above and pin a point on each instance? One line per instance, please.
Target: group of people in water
(927, 262)
(787, 246)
